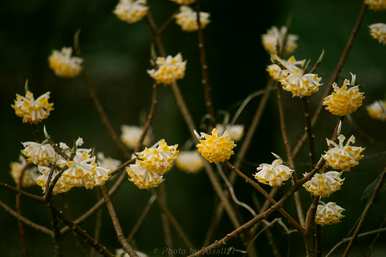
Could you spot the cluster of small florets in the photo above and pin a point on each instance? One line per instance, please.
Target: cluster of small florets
(344, 100)
(189, 161)
(130, 136)
(63, 64)
(151, 164)
(343, 156)
(378, 32)
(377, 110)
(235, 132)
(32, 110)
(183, 2)
(329, 213)
(131, 11)
(22, 168)
(324, 184)
(274, 174)
(187, 19)
(376, 5)
(215, 148)
(273, 40)
(168, 69)
(293, 77)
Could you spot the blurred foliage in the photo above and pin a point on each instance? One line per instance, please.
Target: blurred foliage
(117, 56)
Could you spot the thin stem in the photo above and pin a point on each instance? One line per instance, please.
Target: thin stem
(335, 74)
(23, 244)
(98, 226)
(117, 226)
(149, 117)
(165, 221)
(33, 197)
(364, 213)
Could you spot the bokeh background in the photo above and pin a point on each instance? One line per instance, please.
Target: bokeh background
(117, 56)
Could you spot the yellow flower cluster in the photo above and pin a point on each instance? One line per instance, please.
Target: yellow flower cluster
(215, 148)
(274, 39)
(40, 154)
(376, 5)
(189, 161)
(293, 78)
(130, 136)
(235, 132)
(151, 164)
(378, 32)
(32, 110)
(187, 19)
(131, 11)
(64, 64)
(329, 213)
(183, 2)
(169, 69)
(377, 110)
(324, 184)
(274, 174)
(343, 156)
(29, 172)
(344, 100)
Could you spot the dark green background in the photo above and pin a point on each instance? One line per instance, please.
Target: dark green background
(117, 56)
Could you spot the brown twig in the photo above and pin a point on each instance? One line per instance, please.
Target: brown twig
(335, 74)
(364, 213)
(165, 221)
(31, 196)
(116, 224)
(19, 185)
(98, 226)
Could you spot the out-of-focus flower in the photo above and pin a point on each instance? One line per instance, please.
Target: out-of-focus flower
(29, 172)
(143, 178)
(324, 184)
(131, 11)
(40, 154)
(293, 78)
(122, 253)
(32, 110)
(187, 19)
(183, 2)
(274, 174)
(343, 156)
(215, 148)
(378, 32)
(64, 64)
(377, 110)
(107, 162)
(158, 158)
(344, 100)
(189, 161)
(376, 5)
(329, 213)
(131, 135)
(235, 132)
(274, 39)
(168, 70)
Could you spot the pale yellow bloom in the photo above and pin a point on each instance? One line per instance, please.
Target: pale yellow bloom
(344, 100)
(32, 110)
(168, 70)
(130, 136)
(276, 72)
(376, 5)
(215, 148)
(274, 174)
(158, 158)
(40, 154)
(274, 39)
(187, 19)
(235, 132)
(183, 2)
(189, 161)
(329, 213)
(343, 156)
(64, 64)
(378, 32)
(29, 173)
(324, 184)
(293, 77)
(107, 162)
(60, 187)
(131, 11)
(377, 110)
(143, 178)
